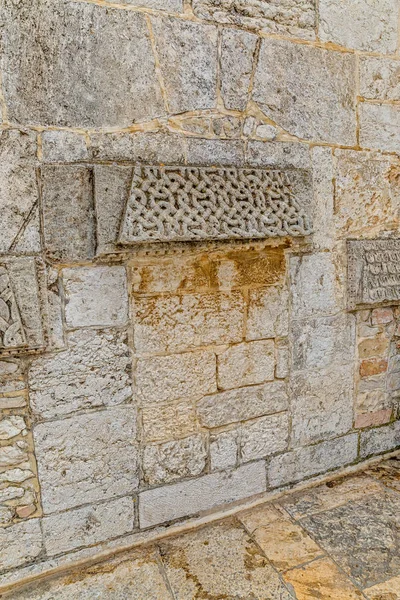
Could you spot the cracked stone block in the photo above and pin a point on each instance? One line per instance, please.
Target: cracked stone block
(246, 364)
(378, 441)
(63, 146)
(379, 78)
(163, 463)
(88, 525)
(166, 422)
(144, 147)
(264, 436)
(237, 51)
(20, 543)
(18, 187)
(68, 212)
(94, 371)
(268, 313)
(360, 24)
(175, 377)
(187, 53)
(223, 450)
(309, 92)
(91, 86)
(87, 458)
(95, 296)
(182, 322)
(379, 126)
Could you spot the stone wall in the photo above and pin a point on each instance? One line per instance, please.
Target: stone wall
(143, 380)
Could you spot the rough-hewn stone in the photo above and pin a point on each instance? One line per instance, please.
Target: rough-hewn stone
(268, 313)
(20, 544)
(215, 152)
(288, 155)
(379, 78)
(223, 450)
(313, 289)
(12, 426)
(246, 364)
(167, 462)
(292, 79)
(237, 51)
(382, 439)
(264, 436)
(164, 422)
(63, 146)
(169, 5)
(151, 148)
(379, 126)
(13, 454)
(322, 172)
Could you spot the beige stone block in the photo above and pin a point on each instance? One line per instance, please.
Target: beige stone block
(165, 422)
(14, 454)
(264, 436)
(377, 346)
(95, 296)
(373, 419)
(254, 268)
(163, 463)
(379, 78)
(12, 426)
(246, 364)
(63, 146)
(268, 313)
(390, 589)
(223, 450)
(237, 50)
(175, 377)
(379, 126)
(187, 274)
(20, 543)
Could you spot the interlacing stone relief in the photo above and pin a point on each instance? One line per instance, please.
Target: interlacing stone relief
(11, 330)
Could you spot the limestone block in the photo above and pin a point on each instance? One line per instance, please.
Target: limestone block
(94, 371)
(237, 51)
(268, 313)
(306, 462)
(178, 274)
(360, 24)
(63, 146)
(313, 285)
(18, 186)
(175, 377)
(379, 126)
(169, 5)
(323, 174)
(6, 515)
(86, 458)
(187, 53)
(287, 155)
(87, 525)
(20, 543)
(248, 267)
(12, 426)
(266, 132)
(233, 406)
(10, 493)
(190, 497)
(378, 441)
(309, 92)
(223, 450)
(294, 17)
(264, 436)
(68, 212)
(227, 127)
(151, 148)
(367, 193)
(379, 78)
(163, 463)
(15, 475)
(95, 296)
(246, 364)
(215, 152)
(176, 323)
(282, 359)
(165, 422)
(14, 454)
(322, 404)
(91, 86)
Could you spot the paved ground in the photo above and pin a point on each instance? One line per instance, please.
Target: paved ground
(338, 541)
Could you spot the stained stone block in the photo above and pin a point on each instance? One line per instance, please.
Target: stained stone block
(292, 80)
(379, 78)
(87, 458)
(20, 544)
(68, 212)
(246, 364)
(166, 422)
(91, 86)
(360, 24)
(237, 50)
(174, 460)
(188, 59)
(379, 126)
(264, 436)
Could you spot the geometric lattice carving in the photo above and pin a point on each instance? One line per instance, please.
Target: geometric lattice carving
(200, 203)
(12, 333)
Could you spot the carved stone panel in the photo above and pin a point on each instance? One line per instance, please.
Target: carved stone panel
(200, 203)
(373, 272)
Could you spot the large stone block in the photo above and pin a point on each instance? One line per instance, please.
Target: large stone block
(246, 364)
(190, 497)
(306, 462)
(143, 147)
(63, 146)
(360, 24)
(309, 92)
(87, 458)
(223, 450)
(237, 51)
(175, 377)
(163, 463)
(176, 323)
(243, 404)
(215, 152)
(323, 193)
(169, 5)
(287, 155)
(20, 543)
(188, 59)
(165, 422)
(380, 440)
(379, 126)
(379, 78)
(94, 371)
(264, 436)
(95, 296)
(91, 86)
(268, 313)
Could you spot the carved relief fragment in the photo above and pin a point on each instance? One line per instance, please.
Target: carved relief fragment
(11, 330)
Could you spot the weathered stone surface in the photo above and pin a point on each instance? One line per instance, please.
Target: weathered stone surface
(165, 422)
(176, 323)
(313, 288)
(237, 51)
(270, 16)
(223, 450)
(6, 515)
(95, 296)
(190, 73)
(87, 525)
(292, 79)
(63, 146)
(20, 544)
(379, 126)
(254, 268)
(305, 462)
(388, 588)
(190, 497)
(13, 455)
(94, 371)
(215, 152)
(121, 92)
(10, 493)
(379, 78)
(323, 174)
(360, 24)
(378, 441)
(243, 404)
(288, 155)
(169, 5)
(11, 426)
(268, 313)
(179, 376)
(167, 462)
(322, 403)
(15, 402)
(152, 148)
(15, 475)
(282, 356)
(264, 436)
(246, 364)
(87, 458)
(68, 212)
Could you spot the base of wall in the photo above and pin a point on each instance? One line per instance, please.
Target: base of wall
(67, 563)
